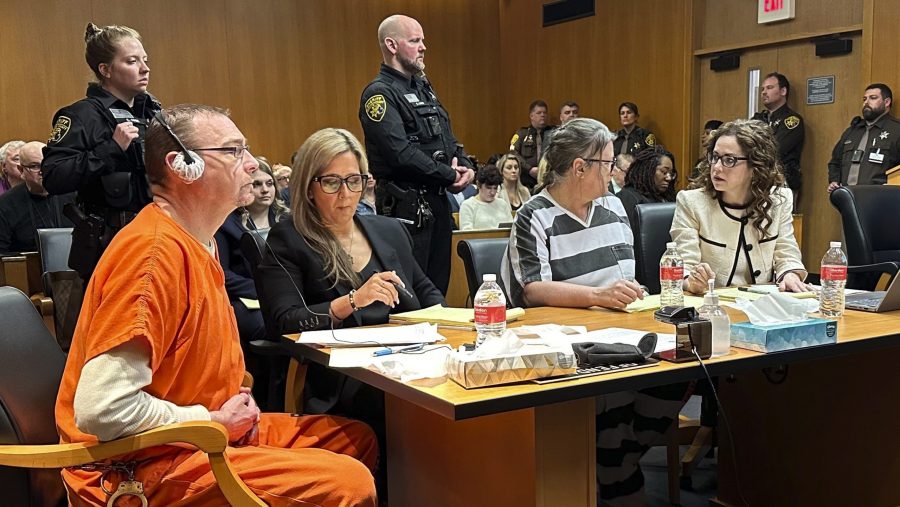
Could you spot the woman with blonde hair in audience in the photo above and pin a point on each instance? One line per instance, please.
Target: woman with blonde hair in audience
(512, 190)
(571, 246)
(735, 224)
(282, 175)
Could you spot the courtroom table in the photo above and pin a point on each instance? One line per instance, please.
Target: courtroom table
(530, 444)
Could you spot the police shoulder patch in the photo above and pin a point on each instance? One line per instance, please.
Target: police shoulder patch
(650, 140)
(512, 142)
(60, 129)
(791, 122)
(376, 106)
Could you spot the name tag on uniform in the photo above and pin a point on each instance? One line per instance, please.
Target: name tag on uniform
(412, 98)
(121, 113)
(876, 157)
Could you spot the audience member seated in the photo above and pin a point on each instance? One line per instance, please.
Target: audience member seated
(330, 267)
(735, 224)
(484, 210)
(571, 246)
(651, 178)
(282, 175)
(366, 204)
(511, 189)
(26, 208)
(704, 141)
(567, 111)
(456, 199)
(157, 344)
(619, 172)
(631, 138)
(10, 172)
(261, 214)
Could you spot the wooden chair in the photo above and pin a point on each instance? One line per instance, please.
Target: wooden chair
(31, 367)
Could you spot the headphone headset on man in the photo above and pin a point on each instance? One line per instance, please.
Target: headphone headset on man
(188, 165)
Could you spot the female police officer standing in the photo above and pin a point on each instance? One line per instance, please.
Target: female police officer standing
(96, 145)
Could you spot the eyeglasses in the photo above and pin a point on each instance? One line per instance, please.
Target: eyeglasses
(331, 183)
(282, 178)
(259, 184)
(31, 167)
(609, 163)
(236, 151)
(727, 160)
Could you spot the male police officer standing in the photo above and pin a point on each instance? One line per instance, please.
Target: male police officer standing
(530, 141)
(787, 125)
(412, 151)
(870, 146)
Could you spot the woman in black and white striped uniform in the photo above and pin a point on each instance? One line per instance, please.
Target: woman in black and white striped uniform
(571, 246)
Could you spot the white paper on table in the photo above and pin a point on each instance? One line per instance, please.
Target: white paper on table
(374, 336)
(664, 341)
(427, 363)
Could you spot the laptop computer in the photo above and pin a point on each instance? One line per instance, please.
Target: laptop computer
(878, 301)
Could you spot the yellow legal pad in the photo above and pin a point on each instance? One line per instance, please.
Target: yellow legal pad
(448, 317)
(652, 303)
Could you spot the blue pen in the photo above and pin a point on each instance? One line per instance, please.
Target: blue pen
(387, 350)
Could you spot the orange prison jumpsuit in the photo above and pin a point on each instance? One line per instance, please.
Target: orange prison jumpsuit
(157, 283)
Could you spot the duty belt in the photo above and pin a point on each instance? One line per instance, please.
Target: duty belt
(420, 188)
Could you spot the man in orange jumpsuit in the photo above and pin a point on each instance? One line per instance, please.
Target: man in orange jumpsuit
(156, 343)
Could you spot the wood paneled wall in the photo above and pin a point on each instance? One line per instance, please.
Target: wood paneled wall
(723, 23)
(628, 51)
(285, 68)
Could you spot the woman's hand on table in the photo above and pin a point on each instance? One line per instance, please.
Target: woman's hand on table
(791, 282)
(618, 295)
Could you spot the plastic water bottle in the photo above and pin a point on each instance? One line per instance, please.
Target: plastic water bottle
(834, 277)
(490, 310)
(718, 317)
(671, 276)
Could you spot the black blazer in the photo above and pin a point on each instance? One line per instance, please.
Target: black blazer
(238, 278)
(279, 298)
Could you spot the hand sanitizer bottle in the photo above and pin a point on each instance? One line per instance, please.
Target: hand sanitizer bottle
(721, 324)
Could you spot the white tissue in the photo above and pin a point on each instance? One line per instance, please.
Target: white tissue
(776, 308)
(409, 367)
(506, 344)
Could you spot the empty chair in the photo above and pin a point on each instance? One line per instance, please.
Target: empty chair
(481, 256)
(872, 239)
(651, 233)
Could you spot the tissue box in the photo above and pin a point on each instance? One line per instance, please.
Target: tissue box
(472, 372)
(786, 336)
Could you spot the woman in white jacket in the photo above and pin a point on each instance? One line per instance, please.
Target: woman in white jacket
(735, 223)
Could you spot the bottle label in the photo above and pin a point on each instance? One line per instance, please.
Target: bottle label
(490, 314)
(671, 273)
(834, 273)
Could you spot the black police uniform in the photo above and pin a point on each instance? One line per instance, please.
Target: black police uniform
(524, 142)
(882, 151)
(789, 130)
(410, 146)
(81, 156)
(637, 140)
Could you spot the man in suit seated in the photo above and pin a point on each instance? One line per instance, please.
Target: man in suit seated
(157, 343)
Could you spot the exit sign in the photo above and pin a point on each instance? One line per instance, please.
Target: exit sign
(771, 11)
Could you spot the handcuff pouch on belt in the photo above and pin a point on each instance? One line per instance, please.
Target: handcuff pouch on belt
(410, 206)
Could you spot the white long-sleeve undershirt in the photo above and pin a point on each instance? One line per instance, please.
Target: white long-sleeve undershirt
(110, 401)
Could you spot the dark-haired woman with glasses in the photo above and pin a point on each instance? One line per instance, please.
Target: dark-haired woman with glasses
(735, 224)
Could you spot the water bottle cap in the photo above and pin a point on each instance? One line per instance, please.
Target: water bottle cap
(835, 244)
(670, 244)
(489, 277)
